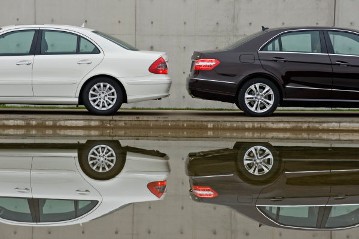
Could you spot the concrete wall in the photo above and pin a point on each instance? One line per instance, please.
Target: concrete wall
(179, 27)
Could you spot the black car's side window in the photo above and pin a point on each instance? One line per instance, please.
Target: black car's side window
(16, 43)
(344, 43)
(303, 42)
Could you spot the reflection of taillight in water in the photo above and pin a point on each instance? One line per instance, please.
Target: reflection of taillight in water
(158, 188)
(204, 192)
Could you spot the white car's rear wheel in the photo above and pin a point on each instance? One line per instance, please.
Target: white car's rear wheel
(102, 96)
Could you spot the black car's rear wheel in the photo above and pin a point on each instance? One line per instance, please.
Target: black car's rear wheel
(258, 97)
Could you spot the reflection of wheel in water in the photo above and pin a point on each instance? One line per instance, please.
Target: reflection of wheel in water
(102, 160)
(258, 163)
(258, 160)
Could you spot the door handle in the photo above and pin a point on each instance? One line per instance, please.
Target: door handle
(84, 62)
(82, 192)
(276, 199)
(23, 63)
(339, 197)
(342, 63)
(279, 59)
(22, 190)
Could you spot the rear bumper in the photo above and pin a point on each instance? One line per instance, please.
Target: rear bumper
(208, 89)
(149, 88)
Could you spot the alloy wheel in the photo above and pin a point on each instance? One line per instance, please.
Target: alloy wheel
(259, 98)
(102, 96)
(258, 160)
(102, 158)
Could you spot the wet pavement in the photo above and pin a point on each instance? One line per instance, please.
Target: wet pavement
(222, 121)
(146, 187)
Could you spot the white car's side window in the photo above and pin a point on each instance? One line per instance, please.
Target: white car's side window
(86, 47)
(16, 43)
(55, 42)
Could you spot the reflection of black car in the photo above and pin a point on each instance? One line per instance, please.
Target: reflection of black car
(283, 186)
(310, 66)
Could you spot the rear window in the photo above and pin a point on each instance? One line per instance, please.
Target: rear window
(116, 41)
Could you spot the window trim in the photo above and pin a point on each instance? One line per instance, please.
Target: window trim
(323, 45)
(78, 40)
(330, 45)
(33, 43)
(324, 217)
(85, 53)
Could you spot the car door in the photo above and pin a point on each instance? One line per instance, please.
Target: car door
(15, 167)
(16, 62)
(55, 176)
(300, 59)
(64, 59)
(344, 55)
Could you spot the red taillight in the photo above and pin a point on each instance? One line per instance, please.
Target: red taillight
(206, 64)
(204, 192)
(158, 188)
(159, 66)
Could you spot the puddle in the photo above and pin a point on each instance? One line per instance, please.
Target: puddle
(92, 187)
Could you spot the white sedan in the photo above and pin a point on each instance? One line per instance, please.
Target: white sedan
(67, 65)
(66, 184)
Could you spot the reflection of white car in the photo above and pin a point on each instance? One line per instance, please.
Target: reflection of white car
(50, 64)
(56, 185)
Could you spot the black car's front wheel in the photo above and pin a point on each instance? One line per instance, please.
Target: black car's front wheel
(258, 97)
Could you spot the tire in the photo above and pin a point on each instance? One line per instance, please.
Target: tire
(256, 103)
(238, 106)
(102, 96)
(89, 158)
(258, 172)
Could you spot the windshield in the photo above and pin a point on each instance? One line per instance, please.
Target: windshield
(116, 41)
(244, 40)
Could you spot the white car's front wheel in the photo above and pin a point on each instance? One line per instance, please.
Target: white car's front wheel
(102, 96)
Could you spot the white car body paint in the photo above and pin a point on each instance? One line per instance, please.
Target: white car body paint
(58, 79)
(56, 174)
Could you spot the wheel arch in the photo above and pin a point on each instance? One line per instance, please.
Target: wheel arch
(264, 75)
(102, 75)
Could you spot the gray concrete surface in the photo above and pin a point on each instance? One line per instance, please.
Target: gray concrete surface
(179, 27)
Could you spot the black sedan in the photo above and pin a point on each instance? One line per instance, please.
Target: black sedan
(308, 66)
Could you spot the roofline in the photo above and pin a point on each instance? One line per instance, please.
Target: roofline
(310, 28)
(46, 26)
